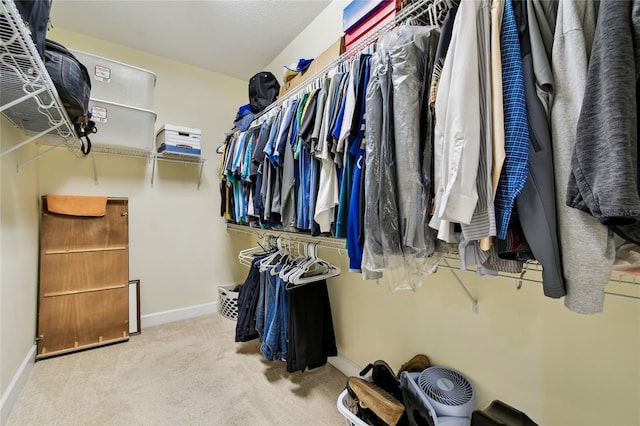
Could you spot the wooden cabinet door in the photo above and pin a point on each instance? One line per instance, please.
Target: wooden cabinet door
(84, 280)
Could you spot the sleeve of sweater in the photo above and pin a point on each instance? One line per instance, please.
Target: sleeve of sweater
(603, 179)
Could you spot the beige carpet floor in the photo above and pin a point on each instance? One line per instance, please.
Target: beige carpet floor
(183, 373)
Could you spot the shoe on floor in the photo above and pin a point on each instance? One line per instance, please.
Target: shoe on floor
(416, 364)
(376, 399)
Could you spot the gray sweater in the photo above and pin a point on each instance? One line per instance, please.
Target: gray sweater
(603, 180)
(586, 244)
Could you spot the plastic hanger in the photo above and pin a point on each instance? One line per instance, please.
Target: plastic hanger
(272, 260)
(300, 265)
(246, 256)
(291, 266)
(285, 259)
(315, 269)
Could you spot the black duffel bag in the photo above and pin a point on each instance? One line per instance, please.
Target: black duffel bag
(73, 84)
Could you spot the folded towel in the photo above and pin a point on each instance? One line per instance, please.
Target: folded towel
(77, 205)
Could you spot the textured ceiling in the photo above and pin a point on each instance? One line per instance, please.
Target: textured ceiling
(237, 38)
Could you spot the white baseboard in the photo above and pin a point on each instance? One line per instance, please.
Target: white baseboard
(178, 314)
(345, 365)
(17, 383)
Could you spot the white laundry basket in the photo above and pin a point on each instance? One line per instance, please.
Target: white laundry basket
(228, 301)
(345, 404)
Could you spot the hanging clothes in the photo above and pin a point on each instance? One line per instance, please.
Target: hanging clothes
(587, 247)
(412, 59)
(276, 329)
(304, 167)
(483, 220)
(248, 303)
(536, 206)
(343, 160)
(311, 329)
(457, 129)
(356, 151)
(497, 96)
(284, 303)
(388, 184)
(398, 157)
(346, 133)
(328, 192)
(483, 223)
(257, 161)
(372, 263)
(604, 165)
(515, 168)
(289, 169)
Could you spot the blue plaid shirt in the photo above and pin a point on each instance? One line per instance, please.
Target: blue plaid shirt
(515, 169)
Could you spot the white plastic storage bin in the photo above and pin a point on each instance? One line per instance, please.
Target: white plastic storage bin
(117, 82)
(122, 126)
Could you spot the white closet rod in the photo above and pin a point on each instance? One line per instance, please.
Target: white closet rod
(415, 10)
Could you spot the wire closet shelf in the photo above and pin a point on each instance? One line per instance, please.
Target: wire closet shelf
(30, 102)
(27, 95)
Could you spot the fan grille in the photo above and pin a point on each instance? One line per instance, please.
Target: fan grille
(445, 386)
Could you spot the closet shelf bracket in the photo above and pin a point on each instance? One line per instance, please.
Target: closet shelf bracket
(42, 154)
(474, 301)
(32, 138)
(178, 159)
(95, 170)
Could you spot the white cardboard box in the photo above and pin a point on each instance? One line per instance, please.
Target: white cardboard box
(179, 150)
(178, 136)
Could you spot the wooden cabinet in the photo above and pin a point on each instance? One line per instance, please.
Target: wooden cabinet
(84, 279)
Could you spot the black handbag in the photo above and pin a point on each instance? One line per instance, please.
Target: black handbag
(73, 84)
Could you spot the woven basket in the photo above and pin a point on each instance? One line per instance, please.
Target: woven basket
(228, 301)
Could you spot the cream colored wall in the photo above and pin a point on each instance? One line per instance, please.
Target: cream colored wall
(313, 40)
(527, 350)
(19, 257)
(178, 243)
(559, 367)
